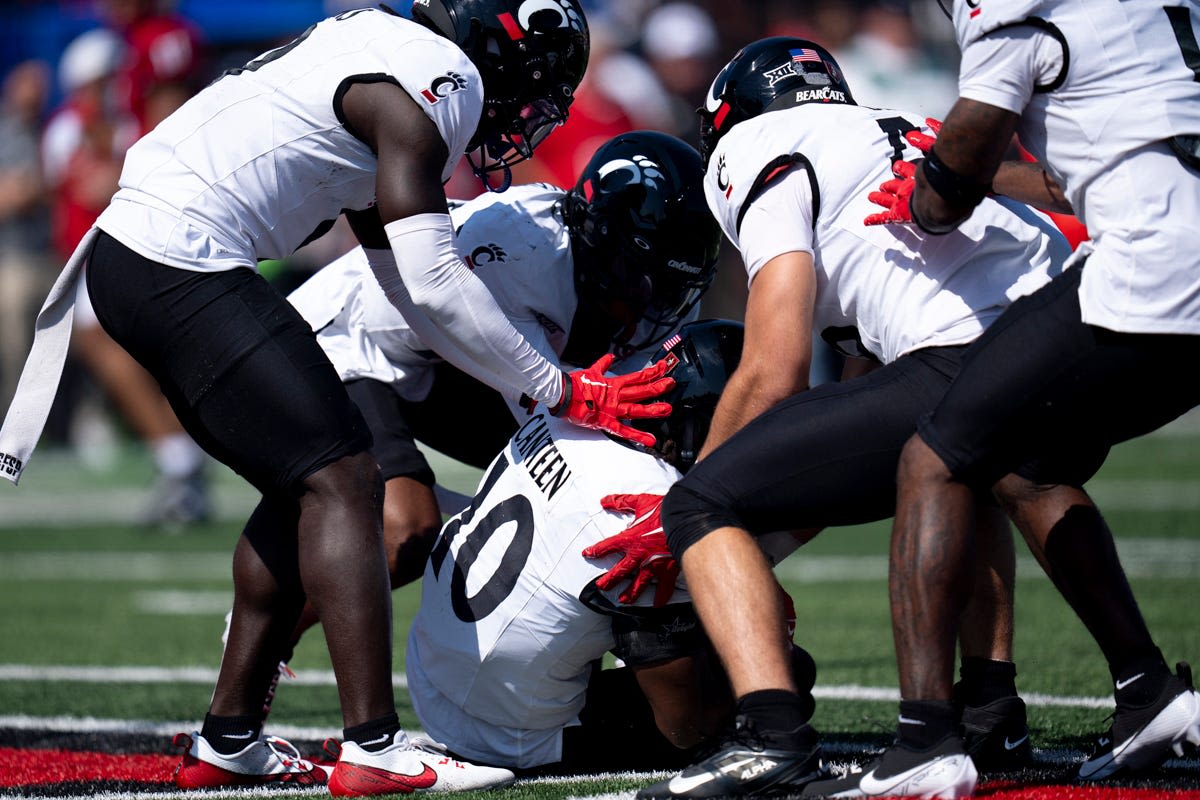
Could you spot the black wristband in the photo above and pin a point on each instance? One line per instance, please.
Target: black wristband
(565, 400)
(958, 190)
(933, 230)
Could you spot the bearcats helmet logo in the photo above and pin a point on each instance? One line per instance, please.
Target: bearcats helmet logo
(568, 17)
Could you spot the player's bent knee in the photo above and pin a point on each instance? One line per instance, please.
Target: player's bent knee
(919, 463)
(688, 516)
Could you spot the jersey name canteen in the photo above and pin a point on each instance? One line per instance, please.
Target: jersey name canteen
(260, 160)
(501, 633)
(882, 291)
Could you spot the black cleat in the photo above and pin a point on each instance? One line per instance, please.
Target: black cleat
(745, 763)
(996, 734)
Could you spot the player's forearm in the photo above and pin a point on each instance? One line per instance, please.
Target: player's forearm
(1029, 183)
(461, 312)
(958, 170)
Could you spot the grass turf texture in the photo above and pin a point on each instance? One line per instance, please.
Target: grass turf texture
(78, 592)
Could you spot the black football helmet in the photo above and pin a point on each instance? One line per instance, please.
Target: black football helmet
(643, 241)
(770, 74)
(531, 55)
(701, 357)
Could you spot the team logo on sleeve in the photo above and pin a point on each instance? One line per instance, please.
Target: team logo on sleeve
(723, 177)
(443, 86)
(486, 254)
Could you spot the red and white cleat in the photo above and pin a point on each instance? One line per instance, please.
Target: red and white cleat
(268, 759)
(408, 766)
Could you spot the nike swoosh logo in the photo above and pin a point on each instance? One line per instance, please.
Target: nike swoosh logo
(380, 740)
(681, 785)
(870, 785)
(246, 735)
(371, 780)
(1124, 683)
(1008, 745)
(910, 721)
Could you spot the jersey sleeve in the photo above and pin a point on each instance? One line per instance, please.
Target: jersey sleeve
(778, 221)
(448, 88)
(1003, 67)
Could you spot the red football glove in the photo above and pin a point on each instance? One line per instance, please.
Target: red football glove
(894, 196)
(923, 141)
(592, 400)
(644, 545)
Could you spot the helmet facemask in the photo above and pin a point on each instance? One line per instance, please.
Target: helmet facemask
(644, 242)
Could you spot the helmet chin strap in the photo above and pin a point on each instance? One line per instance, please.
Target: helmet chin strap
(505, 182)
(484, 174)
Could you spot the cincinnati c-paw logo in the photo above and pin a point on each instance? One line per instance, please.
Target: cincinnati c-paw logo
(485, 254)
(723, 177)
(444, 86)
(541, 16)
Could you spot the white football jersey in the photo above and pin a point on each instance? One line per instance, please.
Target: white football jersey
(259, 161)
(1125, 79)
(499, 654)
(882, 290)
(517, 243)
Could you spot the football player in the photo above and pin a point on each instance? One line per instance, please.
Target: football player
(617, 263)
(366, 113)
(1105, 96)
(503, 654)
(789, 153)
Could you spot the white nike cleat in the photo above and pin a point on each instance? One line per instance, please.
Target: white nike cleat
(267, 759)
(407, 766)
(944, 771)
(744, 764)
(1142, 738)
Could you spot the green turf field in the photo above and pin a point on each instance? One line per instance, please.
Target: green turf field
(83, 585)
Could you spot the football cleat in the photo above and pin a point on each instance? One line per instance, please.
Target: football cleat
(180, 500)
(268, 759)
(407, 766)
(744, 764)
(996, 734)
(1143, 737)
(944, 771)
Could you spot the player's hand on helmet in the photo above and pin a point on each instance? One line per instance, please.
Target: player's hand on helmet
(643, 545)
(593, 400)
(894, 196)
(923, 141)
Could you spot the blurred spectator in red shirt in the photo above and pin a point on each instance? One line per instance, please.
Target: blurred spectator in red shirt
(162, 58)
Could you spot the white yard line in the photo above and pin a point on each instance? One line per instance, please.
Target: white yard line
(207, 676)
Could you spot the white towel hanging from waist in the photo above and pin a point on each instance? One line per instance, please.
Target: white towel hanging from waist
(30, 406)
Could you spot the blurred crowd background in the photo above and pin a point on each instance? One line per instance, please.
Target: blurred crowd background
(83, 79)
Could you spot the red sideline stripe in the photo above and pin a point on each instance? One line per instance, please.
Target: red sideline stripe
(1013, 790)
(32, 767)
